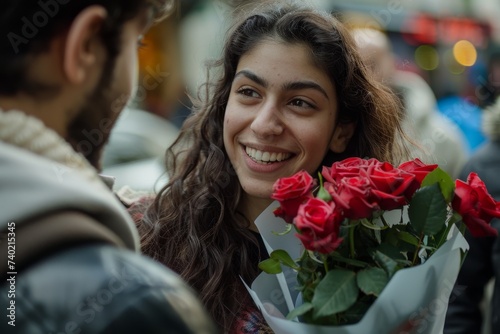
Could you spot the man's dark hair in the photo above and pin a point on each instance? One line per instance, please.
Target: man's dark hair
(28, 26)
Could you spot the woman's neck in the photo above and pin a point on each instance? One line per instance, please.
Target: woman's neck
(252, 207)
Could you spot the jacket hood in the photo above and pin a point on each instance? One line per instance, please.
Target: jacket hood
(32, 186)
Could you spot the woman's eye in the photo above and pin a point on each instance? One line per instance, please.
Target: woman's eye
(248, 92)
(301, 104)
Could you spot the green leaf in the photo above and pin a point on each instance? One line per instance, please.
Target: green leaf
(298, 311)
(364, 239)
(389, 265)
(390, 236)
(444, 180)
(372, 280)
(283, 257)
(391, 251)
(336, 292)
(455, 218)
(428, 210)
(408, 237)
(270, 266)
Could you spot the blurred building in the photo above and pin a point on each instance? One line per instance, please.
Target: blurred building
(449, 43)
(445, 41)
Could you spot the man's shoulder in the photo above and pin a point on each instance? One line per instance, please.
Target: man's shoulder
(101, 288)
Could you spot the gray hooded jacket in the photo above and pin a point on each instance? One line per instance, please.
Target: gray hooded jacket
(74, 265)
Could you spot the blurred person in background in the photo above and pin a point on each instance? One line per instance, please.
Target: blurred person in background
(440, 139)
(69, 252)
(467, 117)
(489, 88)
(467, 112)
(482, 262)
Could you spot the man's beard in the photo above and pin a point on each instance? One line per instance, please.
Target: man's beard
(89, 132)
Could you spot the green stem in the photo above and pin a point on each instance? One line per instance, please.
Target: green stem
(325, 263)
(420, 240)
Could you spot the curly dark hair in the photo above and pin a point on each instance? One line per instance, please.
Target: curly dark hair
(28, 26)
(194, 226)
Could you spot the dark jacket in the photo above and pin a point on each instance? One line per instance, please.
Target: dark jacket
(75, 266)
(482, 262)
(101, 289)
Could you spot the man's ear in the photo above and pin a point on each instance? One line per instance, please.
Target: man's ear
(341, 136)
(82, 43)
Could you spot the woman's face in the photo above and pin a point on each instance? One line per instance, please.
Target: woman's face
(280, 116)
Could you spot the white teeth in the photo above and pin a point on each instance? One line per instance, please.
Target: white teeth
(266, 157)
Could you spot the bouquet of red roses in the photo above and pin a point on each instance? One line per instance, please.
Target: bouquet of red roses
(360, 225)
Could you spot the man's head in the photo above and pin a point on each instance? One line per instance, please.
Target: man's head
(72, 63)
(375, 49)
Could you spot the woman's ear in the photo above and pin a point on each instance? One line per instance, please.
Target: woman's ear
(82, 39)
(341, 136)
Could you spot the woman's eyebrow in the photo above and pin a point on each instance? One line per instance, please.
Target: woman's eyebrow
(252, 76)
(306, 84)
(296, 85)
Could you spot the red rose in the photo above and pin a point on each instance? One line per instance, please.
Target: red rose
(420, 170)
(319, 225)
(417, 168)
(389, 186)
(291, 192)
(354, 197)
(476, 206)
(347, 168)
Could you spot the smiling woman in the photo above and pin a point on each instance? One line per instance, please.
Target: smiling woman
(293, 95)
(273, 111)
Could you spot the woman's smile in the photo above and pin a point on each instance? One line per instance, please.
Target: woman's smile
(266, 157)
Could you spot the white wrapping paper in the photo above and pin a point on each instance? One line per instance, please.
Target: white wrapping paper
(414, 301)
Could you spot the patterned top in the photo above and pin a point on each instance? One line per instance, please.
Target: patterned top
(250, 320)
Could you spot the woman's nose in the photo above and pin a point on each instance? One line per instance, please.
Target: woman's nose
(267, 121)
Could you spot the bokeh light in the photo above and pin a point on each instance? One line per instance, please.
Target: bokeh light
(465, 53)
(427, 57)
